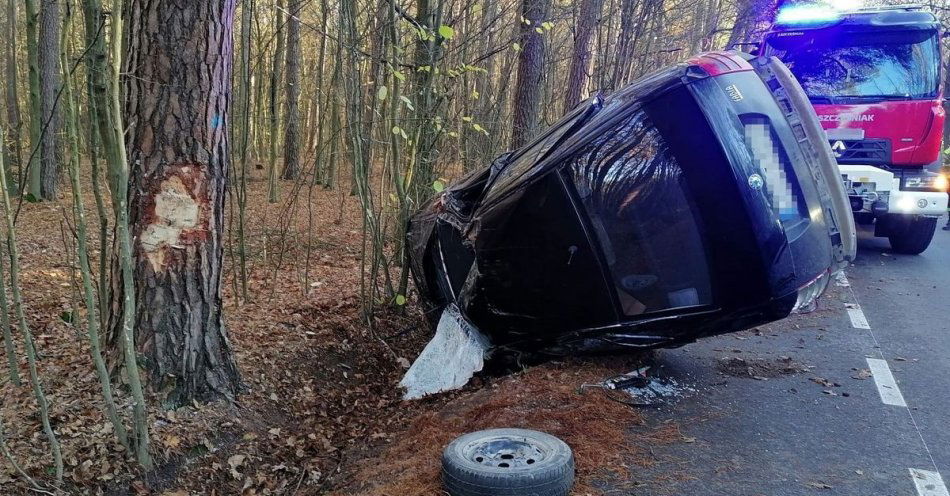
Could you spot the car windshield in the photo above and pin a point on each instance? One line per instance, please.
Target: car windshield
(870, 66)
(642, 214)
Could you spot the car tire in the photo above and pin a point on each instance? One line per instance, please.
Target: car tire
(915, 237)
(507, 462)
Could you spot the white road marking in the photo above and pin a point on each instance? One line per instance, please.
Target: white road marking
(858, 320)
(886, 385)
(928, 483)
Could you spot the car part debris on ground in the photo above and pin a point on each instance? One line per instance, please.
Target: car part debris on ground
(508, 462)
(702, 199)
(449, 360)
(641, 389)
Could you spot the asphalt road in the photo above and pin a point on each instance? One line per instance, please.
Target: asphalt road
(794, 409)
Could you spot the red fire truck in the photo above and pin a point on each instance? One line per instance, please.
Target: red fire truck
(874, 78)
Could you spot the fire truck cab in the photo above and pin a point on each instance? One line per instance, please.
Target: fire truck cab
(874, 78)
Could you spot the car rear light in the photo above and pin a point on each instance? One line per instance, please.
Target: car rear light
(809, 293)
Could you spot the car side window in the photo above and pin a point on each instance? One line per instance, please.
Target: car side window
(642, 215)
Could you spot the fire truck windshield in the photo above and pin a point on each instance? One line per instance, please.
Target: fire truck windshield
(868, 66)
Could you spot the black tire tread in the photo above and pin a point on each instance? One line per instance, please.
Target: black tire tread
(492, 485)
(916, 238)
(554, 478)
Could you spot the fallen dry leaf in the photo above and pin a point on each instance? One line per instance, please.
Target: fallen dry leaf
(862, 374)
(234, 462)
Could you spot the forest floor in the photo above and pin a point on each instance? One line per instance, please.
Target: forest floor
(321, 412)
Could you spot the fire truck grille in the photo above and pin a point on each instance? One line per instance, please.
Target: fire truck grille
(864, 152)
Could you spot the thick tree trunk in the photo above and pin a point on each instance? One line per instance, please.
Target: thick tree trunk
(273, 105)
(178, 98)
(14, 145)
(292, 114)
(48, 57)
(579, 74)
(527, 104)
(31, 12)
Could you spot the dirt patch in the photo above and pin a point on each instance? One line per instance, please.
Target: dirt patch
(546, 398)
(759, 368)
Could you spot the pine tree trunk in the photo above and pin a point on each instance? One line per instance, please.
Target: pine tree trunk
(580, 64)
(48, 57)
(631, 25)
(292, 114)
(178, 99)
(273, 105)
(527, 104)
(14, 144)
(32, 15)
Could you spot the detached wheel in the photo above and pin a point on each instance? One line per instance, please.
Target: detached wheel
(915, 236)
(508, 462)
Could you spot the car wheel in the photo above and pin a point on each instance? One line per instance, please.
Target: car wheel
(507, 462)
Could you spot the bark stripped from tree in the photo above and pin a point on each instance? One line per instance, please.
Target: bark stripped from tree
(178, 99)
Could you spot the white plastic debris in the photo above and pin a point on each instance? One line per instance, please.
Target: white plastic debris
(453, 356)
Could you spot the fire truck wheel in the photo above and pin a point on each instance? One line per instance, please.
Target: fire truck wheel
(864, 218)
(915, 237)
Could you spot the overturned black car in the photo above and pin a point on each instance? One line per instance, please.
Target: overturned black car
(700, 200)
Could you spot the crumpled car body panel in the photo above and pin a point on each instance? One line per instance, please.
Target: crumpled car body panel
(687, 204)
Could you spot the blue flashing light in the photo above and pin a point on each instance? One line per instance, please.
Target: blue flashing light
(804, 15)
